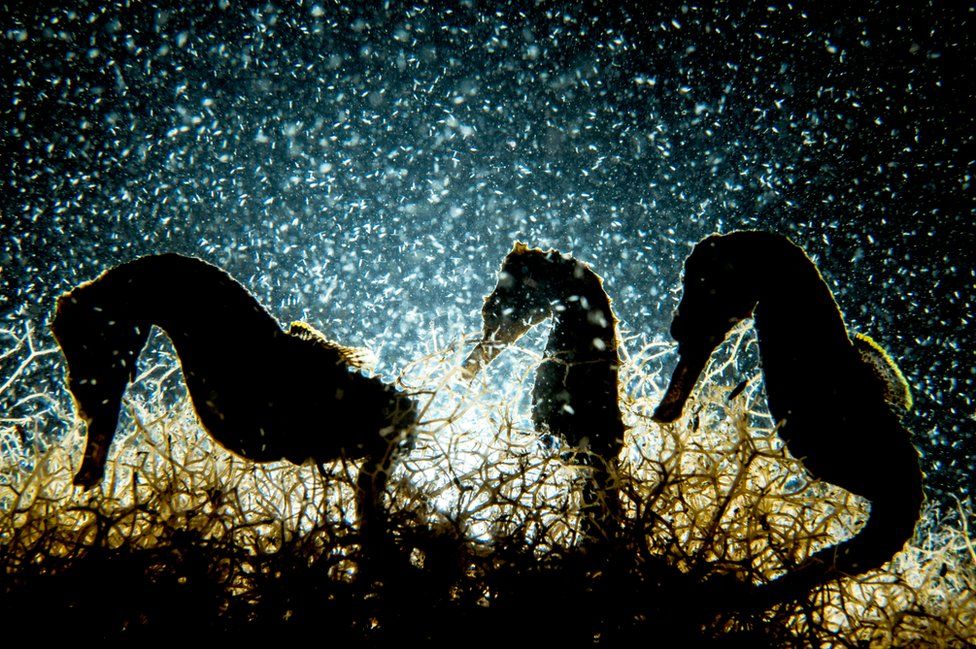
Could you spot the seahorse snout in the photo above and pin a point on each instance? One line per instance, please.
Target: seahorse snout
(679, 389)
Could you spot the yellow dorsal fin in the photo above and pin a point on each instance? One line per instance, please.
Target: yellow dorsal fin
(897, 391)
(357, 357)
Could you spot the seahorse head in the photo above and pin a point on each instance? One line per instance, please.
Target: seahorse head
(720, 289)
(521, 299)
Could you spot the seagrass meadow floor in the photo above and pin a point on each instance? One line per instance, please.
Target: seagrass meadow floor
(183, 541)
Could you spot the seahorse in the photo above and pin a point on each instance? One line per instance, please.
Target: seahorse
(831, 396)
(575, 396)
(261, 392)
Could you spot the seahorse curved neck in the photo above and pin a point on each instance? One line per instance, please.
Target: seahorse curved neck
(203, 310)
(575, 394)
(803, 342)
(584, 326)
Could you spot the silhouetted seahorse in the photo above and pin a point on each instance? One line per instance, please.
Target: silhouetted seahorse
(575, 393)
(828, 394)
(263, 393)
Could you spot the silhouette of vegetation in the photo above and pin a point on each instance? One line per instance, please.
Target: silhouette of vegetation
(183, 540)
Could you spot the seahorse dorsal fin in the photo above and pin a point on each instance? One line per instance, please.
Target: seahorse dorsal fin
(897, 391)
(357, 357)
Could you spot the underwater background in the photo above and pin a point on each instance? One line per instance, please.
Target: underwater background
(366, 166)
